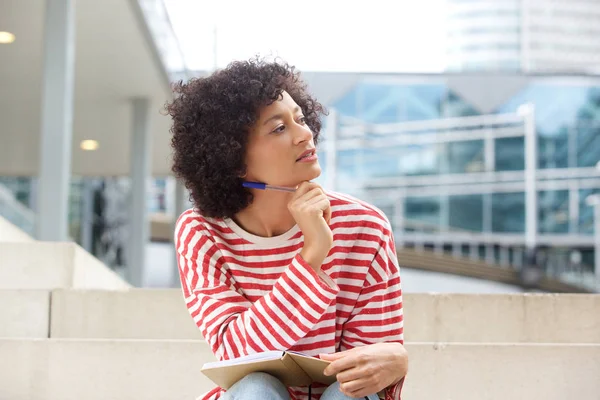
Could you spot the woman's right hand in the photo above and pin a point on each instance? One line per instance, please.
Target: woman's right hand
(312, 212)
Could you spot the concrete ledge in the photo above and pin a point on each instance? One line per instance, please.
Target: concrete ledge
(161, 314)
(503, 371)
(132, 314)
(518, 318)
(10, 233)
(24, 313)
(47, 265)
(48, 369)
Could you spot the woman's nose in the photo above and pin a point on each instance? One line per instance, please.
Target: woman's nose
(302, 134)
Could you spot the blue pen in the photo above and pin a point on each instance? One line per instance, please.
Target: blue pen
(264, 186)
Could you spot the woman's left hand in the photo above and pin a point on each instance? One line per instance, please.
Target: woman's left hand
(368, 369)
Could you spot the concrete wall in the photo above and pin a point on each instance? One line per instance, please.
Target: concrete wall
(137, 313)
(10, 233)
(47, 265)
(532, 318)
(161, 314)
(106, 369)
(24, 313)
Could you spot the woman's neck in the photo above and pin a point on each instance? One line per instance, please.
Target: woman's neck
(268, 215)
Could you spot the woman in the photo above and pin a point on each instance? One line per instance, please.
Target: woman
(307, 271)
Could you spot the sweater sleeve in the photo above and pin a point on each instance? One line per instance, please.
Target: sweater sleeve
(232, 325)
(378, 316)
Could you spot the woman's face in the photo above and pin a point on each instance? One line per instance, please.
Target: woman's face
(278, 145)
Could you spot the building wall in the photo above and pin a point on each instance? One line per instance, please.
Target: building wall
(529, 35)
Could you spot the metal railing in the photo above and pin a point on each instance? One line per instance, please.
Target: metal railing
(389, 190)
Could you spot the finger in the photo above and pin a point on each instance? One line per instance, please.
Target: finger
(298, 202)
(341, 365)
(350, 375)
(305, 187)
(332, 357)
(361, 390)
(317, 203)
(324, 205)
(307, 196)
(354, 388)
(327, 214)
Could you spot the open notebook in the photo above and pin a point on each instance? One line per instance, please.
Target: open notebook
(291, 368)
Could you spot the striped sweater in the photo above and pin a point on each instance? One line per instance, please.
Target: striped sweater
(249, 294)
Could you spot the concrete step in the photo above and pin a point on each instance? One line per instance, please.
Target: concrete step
(519, 318)
(10, 233)
(131, 314)
(24, 313)
(51, 265)
(49, 369)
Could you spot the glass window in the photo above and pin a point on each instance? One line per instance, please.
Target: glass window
(510, 154)
(559, 110)
(419, 160)
(420, 102)
(554, 151)
(466, 212)
(465, 157)
(586, 213)
(588, 143)
(508, 212)
(553, 211)
(379, 162)
(455, 106)
(422, 213)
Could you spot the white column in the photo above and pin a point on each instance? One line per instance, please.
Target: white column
(531, 161)
(489, 151)
(487, 213)
(474, 251)
(331, 150)
(87, 214)
(504, 256)
(399, 211)
(525, 33)
(572, 147)
(443, 149)
(444, 212)
(517, 258)
(140, 171)
(438, 245)
(597, 241)
(419, 245)
(456, 249)
(573, 208)
(57, 121)
(181, 204)
(489, 254)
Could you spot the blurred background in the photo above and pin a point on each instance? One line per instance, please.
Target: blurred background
(473, 124)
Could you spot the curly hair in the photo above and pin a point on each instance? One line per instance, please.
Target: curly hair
(212, 117)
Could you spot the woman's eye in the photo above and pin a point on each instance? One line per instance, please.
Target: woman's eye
(279, 129)
(303, 120)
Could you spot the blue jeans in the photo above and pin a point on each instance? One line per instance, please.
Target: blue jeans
(262, 386)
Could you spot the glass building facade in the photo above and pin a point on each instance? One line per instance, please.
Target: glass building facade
(522, 35)
(567, 124)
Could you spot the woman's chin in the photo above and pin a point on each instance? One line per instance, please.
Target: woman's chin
(304, 177)
(313, 174)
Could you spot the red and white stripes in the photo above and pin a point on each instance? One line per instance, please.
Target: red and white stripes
(248, 294)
